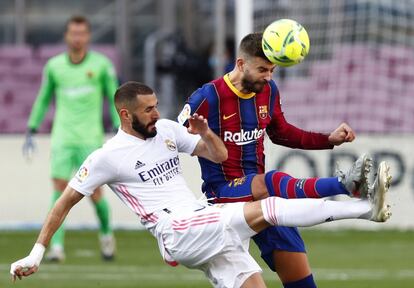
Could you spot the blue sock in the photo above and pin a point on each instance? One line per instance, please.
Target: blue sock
(330, 187)
(283, 185)
(306, 282)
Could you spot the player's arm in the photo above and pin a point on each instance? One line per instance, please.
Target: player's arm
(42, 102)
(38, 112)
(196, 103)
(94, 172)
(30, 264)
(110, 84)
(58, 213)
(210, 145)
(283, 133)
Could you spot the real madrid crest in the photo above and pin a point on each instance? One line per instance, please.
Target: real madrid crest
(170, 145)
(263, 111)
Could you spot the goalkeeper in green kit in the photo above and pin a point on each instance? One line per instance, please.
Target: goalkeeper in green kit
(78, 79)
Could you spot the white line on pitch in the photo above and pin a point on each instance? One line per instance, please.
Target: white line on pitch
(153, 273)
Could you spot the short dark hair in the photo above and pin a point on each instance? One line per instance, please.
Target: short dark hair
(78, 19)
(126, 94)
(251, 46)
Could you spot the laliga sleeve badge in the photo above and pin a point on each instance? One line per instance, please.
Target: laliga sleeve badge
(185, 114)
(82, 174)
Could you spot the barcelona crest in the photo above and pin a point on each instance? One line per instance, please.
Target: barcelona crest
(263, 111)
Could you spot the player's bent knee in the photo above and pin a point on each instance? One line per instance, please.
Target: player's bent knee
(259, 189)
(254, 217)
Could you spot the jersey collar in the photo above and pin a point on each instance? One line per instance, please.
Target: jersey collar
(79, 63)
(235, 90)
(128, 137)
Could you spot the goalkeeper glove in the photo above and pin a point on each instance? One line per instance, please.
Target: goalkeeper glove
(29, 146)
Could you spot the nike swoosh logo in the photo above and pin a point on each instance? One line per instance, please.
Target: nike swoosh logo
(244, 143)
(229, 116)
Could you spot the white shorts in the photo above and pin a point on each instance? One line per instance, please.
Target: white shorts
(212, 239)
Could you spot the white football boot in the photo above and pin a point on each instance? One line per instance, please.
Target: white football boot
(355, 180)
(380, 210)
(108, 246)
(55, 254)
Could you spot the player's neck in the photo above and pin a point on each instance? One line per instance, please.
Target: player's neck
(132, 132)
(77, 57)
(235, 78)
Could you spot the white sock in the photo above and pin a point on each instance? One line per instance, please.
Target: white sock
(308, 212)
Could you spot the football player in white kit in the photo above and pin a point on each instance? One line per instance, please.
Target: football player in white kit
(141, 165)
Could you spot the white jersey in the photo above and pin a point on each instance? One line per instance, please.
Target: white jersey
(145, 174)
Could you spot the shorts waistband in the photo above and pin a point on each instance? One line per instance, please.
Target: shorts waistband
(170, 210)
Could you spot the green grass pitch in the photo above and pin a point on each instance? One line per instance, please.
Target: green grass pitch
(339, 259)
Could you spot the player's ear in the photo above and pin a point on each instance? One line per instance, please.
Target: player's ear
(124, 114)
(240, 64)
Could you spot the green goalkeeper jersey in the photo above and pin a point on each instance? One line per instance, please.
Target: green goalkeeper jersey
(78, 90)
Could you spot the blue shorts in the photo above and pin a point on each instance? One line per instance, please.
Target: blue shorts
(268, 240)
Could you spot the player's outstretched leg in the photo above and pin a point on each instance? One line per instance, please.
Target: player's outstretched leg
(277, 211)
(352, 182)
(381, 211)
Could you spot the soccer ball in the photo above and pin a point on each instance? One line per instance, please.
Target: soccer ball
(285, 42)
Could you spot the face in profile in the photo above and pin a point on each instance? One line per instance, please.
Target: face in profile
(146, 116)
(147, 130)
(77, 36)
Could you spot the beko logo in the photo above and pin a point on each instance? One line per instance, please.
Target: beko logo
(243, 137)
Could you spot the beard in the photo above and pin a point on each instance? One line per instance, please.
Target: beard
(142, 129)
(252, 86)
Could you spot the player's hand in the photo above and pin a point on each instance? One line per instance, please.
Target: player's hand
(197, 124)
(28, 265)
(343, 133)
(29, 146)
(23, 268)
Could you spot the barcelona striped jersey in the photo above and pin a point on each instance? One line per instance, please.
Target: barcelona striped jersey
(241, 120)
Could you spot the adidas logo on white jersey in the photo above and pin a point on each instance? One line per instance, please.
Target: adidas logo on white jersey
(139, 164)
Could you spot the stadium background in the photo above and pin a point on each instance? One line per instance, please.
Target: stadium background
(360, 70)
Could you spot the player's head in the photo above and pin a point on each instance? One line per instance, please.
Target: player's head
(136, 104)
(77, 33)
(256, 70)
